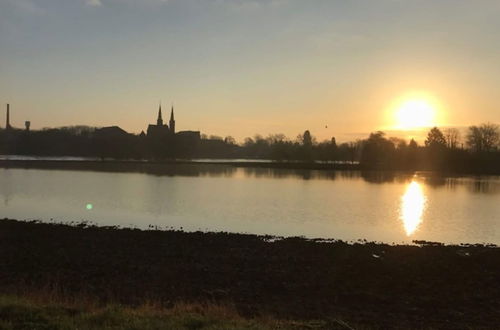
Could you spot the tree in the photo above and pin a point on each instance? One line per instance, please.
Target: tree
(411, 155)
(215, 137)
(436, 151)
(229, 140)
(276, 138)
(435, 139)
(485, 137)
(248, 142)
(279, 147)
(306, 143)
(307, 139)
(377, 151)
(398, 142)
(452, 136)
(334, 143)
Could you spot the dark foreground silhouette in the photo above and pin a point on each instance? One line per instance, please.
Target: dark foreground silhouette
(444, 150)
(371, 285)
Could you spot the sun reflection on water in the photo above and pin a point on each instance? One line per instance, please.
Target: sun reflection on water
(412, 207)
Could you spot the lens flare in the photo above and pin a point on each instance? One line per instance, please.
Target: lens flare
(412, 207)
(89, 206)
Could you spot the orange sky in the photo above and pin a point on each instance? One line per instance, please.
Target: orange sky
(241, 68)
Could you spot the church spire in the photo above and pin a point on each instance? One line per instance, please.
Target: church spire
(159, 121)
(172, 120)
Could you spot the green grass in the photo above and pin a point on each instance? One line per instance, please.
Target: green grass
(28, 313)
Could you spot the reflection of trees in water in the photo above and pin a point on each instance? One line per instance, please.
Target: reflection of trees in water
(479, 184)
(289, 173)
(436, 181)
(378, 176)
(350, 174)
(386, 176)
(368, 176)
(451, 184)
(189, 170)
(6, 186)
(484, 186)
(165, 169)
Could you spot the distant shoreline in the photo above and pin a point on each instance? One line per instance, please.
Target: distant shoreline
(166, 167)
(367, 285)
(156, 166)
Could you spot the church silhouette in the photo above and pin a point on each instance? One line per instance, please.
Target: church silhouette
(160, 129)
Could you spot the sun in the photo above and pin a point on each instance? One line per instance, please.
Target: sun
(415, 113)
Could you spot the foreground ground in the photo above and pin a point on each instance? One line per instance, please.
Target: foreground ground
(37, 312)
(63, 270)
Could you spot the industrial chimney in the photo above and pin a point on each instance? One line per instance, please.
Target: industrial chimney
(7, 121)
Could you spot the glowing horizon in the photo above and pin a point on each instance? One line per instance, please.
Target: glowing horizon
(242, 68)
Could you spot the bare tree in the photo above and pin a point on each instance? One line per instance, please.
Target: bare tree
(398, 142)
(485, 137)
(452, 136)
(276, 138)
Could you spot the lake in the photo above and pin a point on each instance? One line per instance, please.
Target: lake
(348, 205)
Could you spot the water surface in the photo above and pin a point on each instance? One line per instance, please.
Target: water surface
(380, 206)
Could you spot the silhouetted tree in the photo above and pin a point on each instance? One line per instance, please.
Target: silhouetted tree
(411, 156)
(229, 140)
(452, 136)
(307, 139)
(485, 137)
(377, 152)
(435, 139)
(436, 153)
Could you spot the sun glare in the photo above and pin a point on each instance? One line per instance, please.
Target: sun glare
(415, 113)
(412, 207)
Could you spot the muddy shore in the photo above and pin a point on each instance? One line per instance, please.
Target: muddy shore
(373, 285)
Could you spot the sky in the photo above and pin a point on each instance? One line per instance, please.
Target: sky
(244, 67)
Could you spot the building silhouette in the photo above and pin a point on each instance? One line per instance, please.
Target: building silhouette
(161, 141)
(172, 121)
(9, 127)
(164, 131)
(161, 130)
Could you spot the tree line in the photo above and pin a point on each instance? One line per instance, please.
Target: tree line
(444, 149)
(479, 151)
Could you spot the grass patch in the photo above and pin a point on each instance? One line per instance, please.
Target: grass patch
(34, 313)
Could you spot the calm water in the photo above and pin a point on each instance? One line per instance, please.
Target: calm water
(344, 205)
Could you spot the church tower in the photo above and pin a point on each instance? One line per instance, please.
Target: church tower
(159, 121)
(172, 121)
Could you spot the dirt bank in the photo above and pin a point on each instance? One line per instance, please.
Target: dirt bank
(380, 286)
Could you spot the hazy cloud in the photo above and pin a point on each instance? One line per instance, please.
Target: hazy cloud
(26, 6)
(250, 4)
(231, 4)
(94, 3)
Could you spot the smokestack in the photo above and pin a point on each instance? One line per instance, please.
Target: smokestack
(7, 121)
